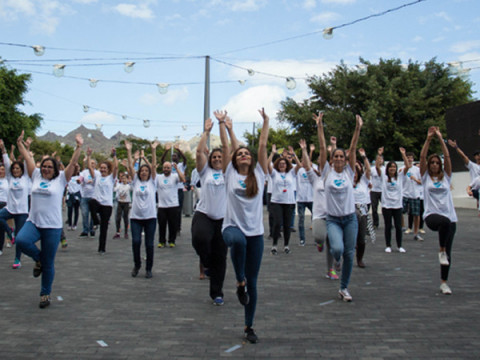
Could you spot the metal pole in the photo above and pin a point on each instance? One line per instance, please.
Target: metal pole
(206, 104)
(253, 135)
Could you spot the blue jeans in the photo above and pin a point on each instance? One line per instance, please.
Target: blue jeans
(49, 240)
(137, 225)
(342, 234)
(246, 253)
(87, 222)
(301, 217)
(19, 220)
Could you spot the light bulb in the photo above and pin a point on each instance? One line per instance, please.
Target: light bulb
(146, 123)
(86, 108)
(242, 82)
(93, 82)
(404, 67)
(124, 117)
(184, 127)
(162, 88)
(328, 33)
(129, 66)
(454, 68)
(98, 126)
(59, 70)
(38, 50)
(290, 83)
(251, 72)
(361, 69)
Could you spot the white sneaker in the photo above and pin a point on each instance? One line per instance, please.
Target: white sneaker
(388, 249)
(445, 289)
(8, 244)
(442, 257)
(344, 295)
(402, 250)
(417, 238)
(408, 231)
(421, 231)
(1, 252)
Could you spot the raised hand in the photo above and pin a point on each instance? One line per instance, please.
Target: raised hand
(290, 150)
(128, 145)
(78, 140)
(155, 144)
(177, 147)
(168, 147)
(229, 123)
(333, 140)
(431, 131)
(20, 138)
(136, 155)
(89, 151)
(303, 145)
(361, 151)
(220, 115)
(402, 150)
(312, 147)
(274, 148)
(359, 120)
(318, 118)
(380, 150)
(208, 125)
(263, 114)
(2, 146)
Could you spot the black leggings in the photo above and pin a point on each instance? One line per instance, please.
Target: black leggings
(446, 231)
(282, 216)
(168, 216)
(100, 215)
(123, 209)
(396, 214)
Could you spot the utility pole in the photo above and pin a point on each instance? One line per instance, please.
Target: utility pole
(206, 104)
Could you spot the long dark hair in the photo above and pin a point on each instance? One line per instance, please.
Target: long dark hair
(56, 169)
(358, 172)
(20, 164)
(211, 155)
(429, 160)
(389, 165)
(277, 163)
(251, 180)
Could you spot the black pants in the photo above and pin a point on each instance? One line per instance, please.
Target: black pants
(167, 216)
(123, 209)
(207, 240)
(180, 208)
(270, 215)
(73, 204)
(100, 215)
(446, 232)
(396, 214)
(375, 198)
(282, 216)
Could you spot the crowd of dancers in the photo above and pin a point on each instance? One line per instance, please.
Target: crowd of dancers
(341, 188)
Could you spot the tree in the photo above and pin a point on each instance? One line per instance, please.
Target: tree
(398, 104)
(13, 88)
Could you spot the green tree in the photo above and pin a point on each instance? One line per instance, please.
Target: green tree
(13, 88)
(398, 103)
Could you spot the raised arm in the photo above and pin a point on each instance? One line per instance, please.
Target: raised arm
(424, 152)
(378, 161)
(322, 145)
(405, 160)
(453, 144)
(26, 155)
(270, 158)
(181, 175)
(305, 157)
(366, 163)
(447, 163)
(181, 154)
(226, 153)
(89, 163)
(74, 160)
(130, 166)
(231, 133)
(115, 163)
(202, 149)
(298, 163)
(352, 158)
(167, 149)
(154, 159)
(312, 149)
(262, 144)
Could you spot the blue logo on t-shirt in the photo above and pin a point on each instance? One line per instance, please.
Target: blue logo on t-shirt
(437, 184)
(242, 184)
(304, 175)
(142, 188)
(16, 183)
(338, 182)
(165, 181)
(409, 174)
(216, 176)
(44, 185)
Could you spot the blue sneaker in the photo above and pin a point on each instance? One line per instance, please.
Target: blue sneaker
(218, 301)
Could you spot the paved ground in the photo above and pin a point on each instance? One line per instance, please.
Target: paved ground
(397, 310)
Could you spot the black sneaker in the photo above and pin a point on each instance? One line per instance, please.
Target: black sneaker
(148, 274)
(83, 235)
(135, 271)
(44, 301)
(242, 295)
(92, 233)
(250, 335)
(37, 269)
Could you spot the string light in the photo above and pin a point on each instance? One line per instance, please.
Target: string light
(250, 72)
(59, 70)
(328, 33)
(129, 66)
(146, 123)
(38, 50)
(86, 108)
(291, 84)
(93, 82)
(162, 88)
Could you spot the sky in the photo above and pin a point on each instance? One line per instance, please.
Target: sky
(169, 41)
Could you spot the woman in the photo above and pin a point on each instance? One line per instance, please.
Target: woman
(319, 224)
(45, 222)
(3, 201)
(73, 198)
(243, 223)
(17, 202)
(282, 203)
(122, 190)
(342, 225)
(101, 204)
(361, 181)
(207, 239)
(143, 216)
(439, 212)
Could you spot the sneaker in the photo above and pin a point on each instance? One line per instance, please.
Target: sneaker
(332, 275)
(135, 271)
(445, 289)
(286, 249)
(274, 251)
(8, 244)
(37, 269)
(250, 335)
(148, 274)
(242, 295)
(417, 238)
(83, 235)
(408, 231)
(74, 227)
(64, 243)
(126, 236)
(345, 295)
(320, 247)
(1, 252)
(172, 245)
(218, 301)
(116, 236)
(302, 242)
(44, 301)
(16, 264)
(421, 231)
(293, 230)
(442, 257)
(388, 249)
(101, 252)
(161, 245)
(92, 233)
(401, 250)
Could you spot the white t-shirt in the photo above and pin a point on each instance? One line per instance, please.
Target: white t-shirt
(167, 190)
(377, 179)
(438, 197)
(123, 192)
(18, 190)
(73, 185)
(319, 201)
(242, 212)
(182, 168)
(213, 198)
(88, 183)
(304, 187)
(143, 202)
(360, 191)
(475, 184)
(392, 191)
(339, 191)
(3, 190)
(410, 187)
(269, 184)
(103, 192)
(474, 169)
(283, 189)
(46, 204)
